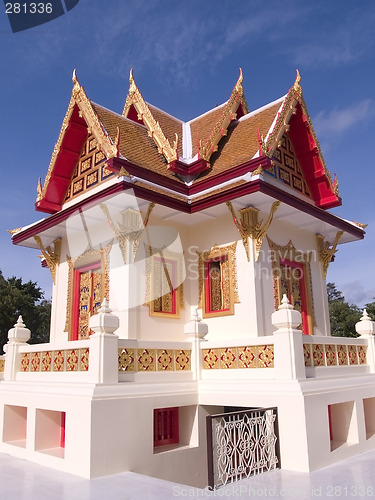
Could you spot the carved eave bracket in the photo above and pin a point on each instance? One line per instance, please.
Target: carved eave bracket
(135, 98)
(326, 252)
(130, 230)
(52, 257)
(221, 128)
(249, 226)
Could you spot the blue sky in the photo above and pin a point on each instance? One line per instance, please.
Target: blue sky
(186, 56)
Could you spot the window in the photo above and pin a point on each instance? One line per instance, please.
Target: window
(218, 281)
(88, 285)
(292, 277)
(164, 292)
(166, 430)
(87, 298)
(293, 284)
(164, 283)
(217, 286)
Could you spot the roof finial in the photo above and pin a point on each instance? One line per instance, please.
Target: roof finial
(298, 80)
(131, 78)
(74, 76)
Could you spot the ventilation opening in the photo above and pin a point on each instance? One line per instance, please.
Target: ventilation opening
(15, 423)
(369, 411)
(50, 432)
(342, 425)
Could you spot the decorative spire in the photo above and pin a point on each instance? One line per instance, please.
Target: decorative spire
(135, 98)
(297, 82)
(230, 113)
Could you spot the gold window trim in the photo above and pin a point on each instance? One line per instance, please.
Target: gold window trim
(217, 252)
(90, 256)
(151, 253)
(289, 252)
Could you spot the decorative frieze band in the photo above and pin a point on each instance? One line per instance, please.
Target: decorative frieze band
(132, 360)
(62, 360)
(255, 356)
(334, 354)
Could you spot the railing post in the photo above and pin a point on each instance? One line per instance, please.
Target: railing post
(289, 359)
(103, 364)
(196, 330)
(366, 329)
(17, 336)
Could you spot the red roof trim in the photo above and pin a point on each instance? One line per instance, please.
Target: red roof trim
(231, 194)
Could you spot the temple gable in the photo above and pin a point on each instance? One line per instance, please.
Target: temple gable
(286, 167)
(90, 170)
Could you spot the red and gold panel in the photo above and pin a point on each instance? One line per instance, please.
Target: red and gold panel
(165, 360)
(182, 360)
(89, 171)
(352, 353)
(362, 354)
(35, 362)
(330, 352)
(210, 359)
(318, 354)
(72, 360)
(228, 357)
(84, 357)
(25, 362)
(58, 361)
(46, 361)
(266, 356)
(342, 354)
(307, 354)
(146, 360)
(247, 357)
(126, 360)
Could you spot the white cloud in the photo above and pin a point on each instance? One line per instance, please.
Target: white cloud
(339, 120)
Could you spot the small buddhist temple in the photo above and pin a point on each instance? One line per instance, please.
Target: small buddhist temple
(190, 333)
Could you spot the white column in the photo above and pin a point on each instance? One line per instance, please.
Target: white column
(289, 358)
(17, 336)
(366, 329)
(103, 365)
(196, 330)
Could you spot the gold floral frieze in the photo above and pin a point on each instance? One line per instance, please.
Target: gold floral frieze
(223, 358)
(334, 354)
(62, 360)
(131, 360)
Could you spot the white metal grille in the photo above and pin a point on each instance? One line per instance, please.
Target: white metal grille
(243, 444)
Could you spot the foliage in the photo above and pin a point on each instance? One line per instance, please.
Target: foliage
(343, 316)
(26, 299)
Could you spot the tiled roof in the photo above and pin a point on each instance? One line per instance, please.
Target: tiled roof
(135, 144)
(169, 125)
(202, 126)
(241, 143)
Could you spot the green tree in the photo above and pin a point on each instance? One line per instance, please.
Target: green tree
(343, 316)
(370, 308)
(26, 299)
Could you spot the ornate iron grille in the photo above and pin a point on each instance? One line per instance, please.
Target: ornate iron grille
(241, 444)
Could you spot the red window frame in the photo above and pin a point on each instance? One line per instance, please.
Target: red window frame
(207, 287)
(76, 295)
(304, 301)
(166, 426)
